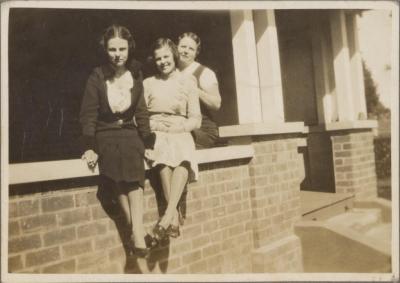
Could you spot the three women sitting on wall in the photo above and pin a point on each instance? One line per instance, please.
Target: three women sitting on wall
(120, 119)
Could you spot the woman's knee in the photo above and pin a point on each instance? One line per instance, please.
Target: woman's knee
(185, 164)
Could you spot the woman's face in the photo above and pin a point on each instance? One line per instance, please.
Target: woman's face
(164, 60)
(117, 51)
(187, 49)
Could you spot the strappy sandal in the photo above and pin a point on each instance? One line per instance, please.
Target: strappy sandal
(160, 233)
(173, 231)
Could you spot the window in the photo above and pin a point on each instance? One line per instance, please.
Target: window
(52, 52)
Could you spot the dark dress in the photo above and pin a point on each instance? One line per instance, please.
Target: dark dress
(118, 138)
(207, 136)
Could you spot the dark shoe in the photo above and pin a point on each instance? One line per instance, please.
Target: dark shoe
(151, 242)
(181, 217)
(160, 233)
(141, 252)
(173, 231)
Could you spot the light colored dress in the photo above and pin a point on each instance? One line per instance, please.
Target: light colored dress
(174, 107)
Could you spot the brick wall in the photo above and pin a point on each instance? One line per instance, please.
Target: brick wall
(354, 163)
(239, 218)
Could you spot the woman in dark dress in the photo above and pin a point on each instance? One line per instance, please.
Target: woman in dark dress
(116, 131)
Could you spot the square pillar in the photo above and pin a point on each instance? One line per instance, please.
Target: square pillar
(341, 65)
(324, 76)
(269, 68)
(245, 62)
(357, 76)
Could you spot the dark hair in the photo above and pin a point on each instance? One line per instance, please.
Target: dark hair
(117, 31)
(165, 42)
(193, 36)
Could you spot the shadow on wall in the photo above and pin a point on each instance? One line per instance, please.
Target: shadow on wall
(160, 255)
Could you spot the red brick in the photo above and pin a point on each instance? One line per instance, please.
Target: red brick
(13, 228)
(194, 205)
(191, 257)
(216, 236)
(234, 208)
(38, 222)
(212, 202)
(342, 154)
(172, 263)
(14, 263)
(98, 213)
(183, 270)
(227, 221)
(215, 263)
(117, 253)
(198, 267)
(219, 212)
(200, 241)
(105, 242)
(189, 232)
(12, 209)
(42, 256)
(201, 216)
(67, 266)
(211, 250)
(216, 189)
(74, 216)
(24, 243)
(198, 193)
(28, 207)
(237, 229)
(57, 203)
(341, 139)
(91, 229)
(150, 216)
(210, 226)
(86, 199)
(91, 260)
(59, 236)
(77, 248)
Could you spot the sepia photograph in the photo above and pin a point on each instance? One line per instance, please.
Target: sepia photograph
(199, 141)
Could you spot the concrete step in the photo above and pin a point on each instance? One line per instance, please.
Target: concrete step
(319, 206)
(358, 219)
(355, 241)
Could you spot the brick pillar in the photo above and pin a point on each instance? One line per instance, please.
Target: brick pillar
(276, 172)
(354, 163)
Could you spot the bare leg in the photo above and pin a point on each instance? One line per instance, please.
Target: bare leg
(136, 209)
(166, 180)
(178, 181)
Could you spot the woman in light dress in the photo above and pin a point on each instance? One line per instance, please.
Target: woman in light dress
(173, 102)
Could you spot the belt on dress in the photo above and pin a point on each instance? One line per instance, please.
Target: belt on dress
(165, 113)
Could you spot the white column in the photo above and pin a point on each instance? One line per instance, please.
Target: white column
(341, 65)
(323, 77)
(245, 61)
(357, 76)
(269, 68)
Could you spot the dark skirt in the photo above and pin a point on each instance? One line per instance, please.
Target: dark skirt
(121, 156)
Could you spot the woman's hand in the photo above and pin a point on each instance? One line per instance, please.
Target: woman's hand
(91, 158)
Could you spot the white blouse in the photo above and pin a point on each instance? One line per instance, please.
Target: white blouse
(119, 92)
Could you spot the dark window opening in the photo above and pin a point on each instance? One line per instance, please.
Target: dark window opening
(52, 52)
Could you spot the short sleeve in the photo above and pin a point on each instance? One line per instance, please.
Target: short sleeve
(207, 79)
